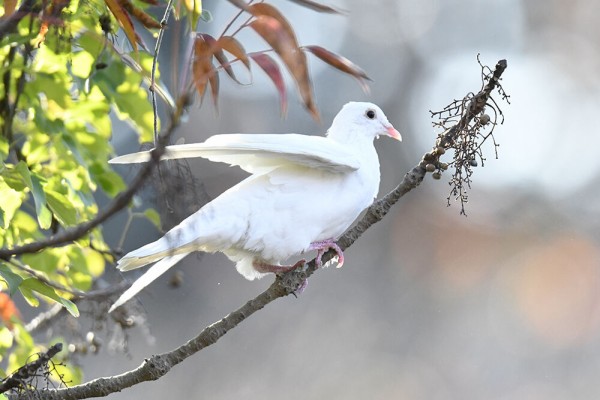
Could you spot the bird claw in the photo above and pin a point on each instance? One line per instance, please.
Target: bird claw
(322, 247)
(302, 287)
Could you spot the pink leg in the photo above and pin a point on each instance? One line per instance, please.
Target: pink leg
(323, 246)
(265, 268)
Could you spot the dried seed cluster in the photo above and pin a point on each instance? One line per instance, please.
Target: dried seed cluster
(466, 125)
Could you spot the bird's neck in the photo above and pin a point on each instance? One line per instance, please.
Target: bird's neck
(347, 134)
(361, 146)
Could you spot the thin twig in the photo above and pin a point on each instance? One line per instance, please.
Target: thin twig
(242, 26)
(232, 22)
(157, 46)
(29, 370)
(157, 366)
(42, 320)
(41, 277)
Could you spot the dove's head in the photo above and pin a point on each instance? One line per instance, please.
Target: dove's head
(361, 120)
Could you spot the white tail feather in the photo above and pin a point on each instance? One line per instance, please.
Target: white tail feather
(154, 272)
(181, 239)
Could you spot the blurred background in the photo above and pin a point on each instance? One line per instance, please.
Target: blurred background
(501, 304)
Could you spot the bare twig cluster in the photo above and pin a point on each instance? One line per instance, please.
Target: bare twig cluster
(29, 378)
(467, 124)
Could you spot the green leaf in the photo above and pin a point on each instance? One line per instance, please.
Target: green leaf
(61, 207)
(4, 147)
(46, 125)
(29, 296)
(81, 281)
(95, 262)
(206, 16)
(12, 280)
(82, 63)
(44, 216)
(34, 184)
(123, 88)
(48, 260)
(32, 284)
(10, 202)
(91, 42)
(194, 8)
(153, 217)
(109, 181)
(24, 225)
(6, 338)
(73, 146)
(53, 87)
(13, 178)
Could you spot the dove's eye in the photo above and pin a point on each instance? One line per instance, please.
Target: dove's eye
(370, 114)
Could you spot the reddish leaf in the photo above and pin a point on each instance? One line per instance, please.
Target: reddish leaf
(211, 41)
(213, 76)
(8, 310)
(202, 66)
(232, 46)
(278, 33)
(313, 5)
(203, 69)
(341, 63)
(267, 10)
(123, 18)
(274, 73)
(217, 51)
(139, 14)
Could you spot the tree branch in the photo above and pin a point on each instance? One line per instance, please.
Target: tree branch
(157, 366)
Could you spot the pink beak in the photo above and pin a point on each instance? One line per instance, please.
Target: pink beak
(393, 133)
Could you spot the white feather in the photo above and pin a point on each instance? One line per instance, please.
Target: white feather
(257, 152)
(149, 276)
(302, 189)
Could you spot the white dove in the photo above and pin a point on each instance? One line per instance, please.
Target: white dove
(302, 194)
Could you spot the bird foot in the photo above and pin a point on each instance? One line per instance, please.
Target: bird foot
(281, 269)
(322, 247)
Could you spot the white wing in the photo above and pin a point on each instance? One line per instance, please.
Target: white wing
(259, 152)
